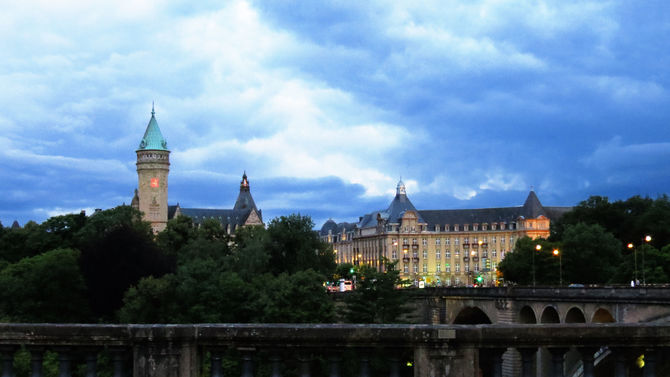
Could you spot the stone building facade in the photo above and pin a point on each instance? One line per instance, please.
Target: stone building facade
(151, 196)
(439, 247)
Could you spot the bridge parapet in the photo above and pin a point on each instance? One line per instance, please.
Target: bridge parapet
(643, 295)
(435, 350)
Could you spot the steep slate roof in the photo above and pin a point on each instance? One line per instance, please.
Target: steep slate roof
(153, 138)
(335, 228)
(234, 217)
(244, 199)
(328, 226)
(532, 208)
(394, 212)
(226, 217)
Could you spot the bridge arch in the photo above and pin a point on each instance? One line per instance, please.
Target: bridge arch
(527, 315)
(575, 315)
(602, 315)
(471, 315)
(550, 315)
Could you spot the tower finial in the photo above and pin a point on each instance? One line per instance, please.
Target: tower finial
(152, 109)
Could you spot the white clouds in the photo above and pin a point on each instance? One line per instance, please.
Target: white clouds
(362, 92)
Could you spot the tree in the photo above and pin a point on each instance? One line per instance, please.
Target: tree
(178, 232)
(590, 254)
(45, 288)
(294, 246)
(376, 298)
(518, 265)
(653, 266)
(297, 298)
(117, 259)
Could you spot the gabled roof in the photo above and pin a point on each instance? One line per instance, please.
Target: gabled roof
(153, 138)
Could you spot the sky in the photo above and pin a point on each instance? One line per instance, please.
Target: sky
(326, 105)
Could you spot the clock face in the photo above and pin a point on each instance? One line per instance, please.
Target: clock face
(154, 182)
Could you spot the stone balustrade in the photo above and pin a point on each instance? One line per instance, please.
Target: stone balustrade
(435, 350)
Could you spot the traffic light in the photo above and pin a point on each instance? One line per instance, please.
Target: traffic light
(351, 270)
(479, 278)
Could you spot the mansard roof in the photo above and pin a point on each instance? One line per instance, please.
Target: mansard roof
(335, 228)
(531, 209)
(153, 138)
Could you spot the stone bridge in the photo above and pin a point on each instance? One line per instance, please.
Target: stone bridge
(543, 306)
(529, 305)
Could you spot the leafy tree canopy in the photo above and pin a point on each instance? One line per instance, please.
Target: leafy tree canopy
(376, 298)
(44, 288)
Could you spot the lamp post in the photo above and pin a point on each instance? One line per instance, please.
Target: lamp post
(631, 246)
(560, 266)
(647, 239)
(538, 247)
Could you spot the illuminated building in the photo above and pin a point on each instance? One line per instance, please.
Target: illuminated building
(439, 247)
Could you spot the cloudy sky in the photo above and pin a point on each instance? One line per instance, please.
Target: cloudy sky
(327, 104)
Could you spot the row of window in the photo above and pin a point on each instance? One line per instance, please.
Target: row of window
(456, 240)
(447, 254)
(453, 228)
(447, 268)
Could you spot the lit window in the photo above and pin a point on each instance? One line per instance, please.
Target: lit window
(415, 268)
(438, 267)
(437, 254)
(425, 253)
(447, 254)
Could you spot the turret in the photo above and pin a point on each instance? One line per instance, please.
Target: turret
(153, 166)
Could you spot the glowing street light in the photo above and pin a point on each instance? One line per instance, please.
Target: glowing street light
(647, 239)
(560, 266)
(538, 247)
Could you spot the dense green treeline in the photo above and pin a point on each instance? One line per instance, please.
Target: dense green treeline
(109, 267)
(598, 242)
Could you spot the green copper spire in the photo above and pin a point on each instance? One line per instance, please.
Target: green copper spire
(153, 139)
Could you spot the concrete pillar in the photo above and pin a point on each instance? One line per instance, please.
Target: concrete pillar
(7, 356)
(36, 359)
(247, 363)
(334, 365)
(64, 362)
(215, 362)
(91, 359)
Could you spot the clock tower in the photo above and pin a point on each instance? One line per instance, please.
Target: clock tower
(153, 166)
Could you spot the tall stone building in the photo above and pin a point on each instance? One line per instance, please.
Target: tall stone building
(439, 247)
(153, 166)
(151, 196)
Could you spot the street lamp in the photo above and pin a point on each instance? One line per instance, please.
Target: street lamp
(538, 247)
(631, 246)
(647, 239)
(560, 266)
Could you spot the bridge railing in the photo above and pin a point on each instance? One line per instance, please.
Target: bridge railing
(435, 350)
